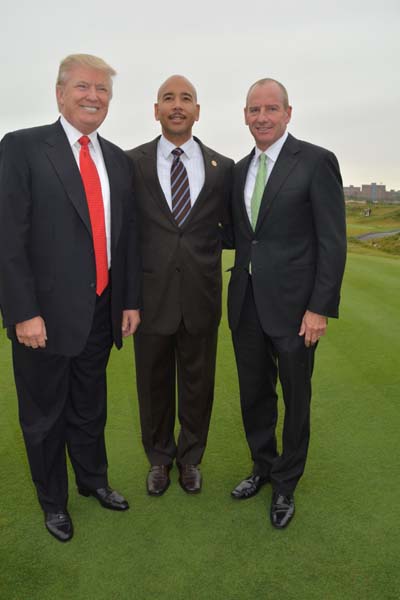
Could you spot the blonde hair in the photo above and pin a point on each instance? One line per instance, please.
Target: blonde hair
(83, 60)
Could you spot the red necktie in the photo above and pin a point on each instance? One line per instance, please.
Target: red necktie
(94, 198)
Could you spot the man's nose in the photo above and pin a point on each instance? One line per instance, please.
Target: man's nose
(262, 114)
(177, 103)
(92, 93)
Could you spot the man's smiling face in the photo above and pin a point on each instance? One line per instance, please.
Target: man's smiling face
(84, 97)
(177, 109)
(266, 114)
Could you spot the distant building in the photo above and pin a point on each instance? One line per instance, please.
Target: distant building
(351, 191)
(371, 192)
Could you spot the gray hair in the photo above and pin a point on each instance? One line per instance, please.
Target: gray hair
(285, 96)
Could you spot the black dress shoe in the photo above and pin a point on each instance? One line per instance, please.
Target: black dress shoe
(107, 497)
(282, 510)
(190, 478)
(59, 524)
(249, 487)
(158, 480)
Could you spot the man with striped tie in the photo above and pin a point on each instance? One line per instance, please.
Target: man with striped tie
(182, 190)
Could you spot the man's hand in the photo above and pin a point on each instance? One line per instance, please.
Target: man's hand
(130, 321)
(32, 333)
(312, 327)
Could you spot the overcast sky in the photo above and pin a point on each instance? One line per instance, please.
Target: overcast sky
(339, 61)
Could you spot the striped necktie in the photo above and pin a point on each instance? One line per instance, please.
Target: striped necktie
(180, 190)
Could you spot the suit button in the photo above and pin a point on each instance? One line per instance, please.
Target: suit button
(92, 285)
(254, 242)
(178, 269)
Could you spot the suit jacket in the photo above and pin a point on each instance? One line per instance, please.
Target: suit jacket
(47, 264)
(181, 265)
(298, 248)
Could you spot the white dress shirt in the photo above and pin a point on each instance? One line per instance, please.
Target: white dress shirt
(272, 154)
(192, 158)
(73, 136)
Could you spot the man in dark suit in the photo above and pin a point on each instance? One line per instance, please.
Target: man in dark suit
(182, 190)
(290, 239)
(69, 284)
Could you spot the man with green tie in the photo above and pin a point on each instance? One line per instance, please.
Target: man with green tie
(290, 240)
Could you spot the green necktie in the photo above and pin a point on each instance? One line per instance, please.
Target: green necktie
(259, 187)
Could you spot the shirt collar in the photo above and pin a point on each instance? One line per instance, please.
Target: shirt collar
(73, 134)
(273, 151)
(166, 147)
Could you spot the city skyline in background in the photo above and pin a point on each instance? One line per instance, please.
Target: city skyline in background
(372, 191)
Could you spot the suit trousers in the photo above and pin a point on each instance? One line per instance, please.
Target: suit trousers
(162, 361)
(260, 359)
(62, 403)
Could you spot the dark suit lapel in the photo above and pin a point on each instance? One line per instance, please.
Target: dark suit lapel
(211, 173)
(287, 159)
(61, 156)
(147, 165)
(242, 176)
(113, 172)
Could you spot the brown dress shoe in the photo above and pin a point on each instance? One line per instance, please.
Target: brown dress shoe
(158, 480)
(190, 478)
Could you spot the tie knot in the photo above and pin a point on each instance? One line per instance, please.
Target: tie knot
(177, 152)
(263, 158)
(84, 140)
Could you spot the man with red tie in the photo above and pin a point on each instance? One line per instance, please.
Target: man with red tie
(69, 284)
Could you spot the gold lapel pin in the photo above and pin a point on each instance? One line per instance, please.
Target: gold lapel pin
(214, 163)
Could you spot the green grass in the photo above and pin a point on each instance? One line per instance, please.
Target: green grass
(344, 540)
(384, 217)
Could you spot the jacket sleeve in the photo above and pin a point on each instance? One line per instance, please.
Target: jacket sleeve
(328, 210)
(227, 225)
(17, 286)
(133, 272)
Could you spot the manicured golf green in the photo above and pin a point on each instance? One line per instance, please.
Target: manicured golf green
(344, 540)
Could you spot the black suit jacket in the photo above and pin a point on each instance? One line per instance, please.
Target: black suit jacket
(47, 264)
(298, 248)
(181, 265)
